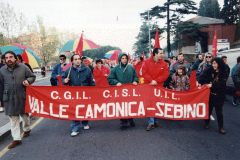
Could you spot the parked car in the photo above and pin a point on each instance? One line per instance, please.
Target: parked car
(232, 55)
(36, 70)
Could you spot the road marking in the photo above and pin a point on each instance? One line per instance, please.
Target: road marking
(32, 126)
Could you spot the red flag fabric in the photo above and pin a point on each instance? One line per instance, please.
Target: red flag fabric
(79, 48)
(129, 58)
(157, 44)
(193, 81)
(66, 66)
(143, 56)
(59, 80)
(112, 102)
(214, 47)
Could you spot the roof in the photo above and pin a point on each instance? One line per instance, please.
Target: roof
(205, 20)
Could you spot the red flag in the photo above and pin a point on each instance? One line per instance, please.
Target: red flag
(79, 48)
(214, 47)
(129, 58)
(66, 66)
(143, 57)
(157, 44)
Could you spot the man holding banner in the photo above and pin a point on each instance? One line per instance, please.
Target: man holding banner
(78, 75)
(155, 72)
(122, 74)
(14, 77)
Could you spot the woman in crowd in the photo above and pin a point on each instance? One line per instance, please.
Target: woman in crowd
(215, 78)
(205, 63)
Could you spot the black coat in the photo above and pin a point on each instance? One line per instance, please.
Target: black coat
(217, 79)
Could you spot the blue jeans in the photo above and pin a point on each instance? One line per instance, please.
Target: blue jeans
(152, 120)
(75, 126)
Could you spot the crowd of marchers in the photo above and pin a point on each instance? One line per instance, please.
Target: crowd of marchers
(173, 73)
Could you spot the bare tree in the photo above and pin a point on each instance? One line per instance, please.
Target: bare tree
(12, 24)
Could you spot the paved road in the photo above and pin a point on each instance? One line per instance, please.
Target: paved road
(48, 74)
(51, 139)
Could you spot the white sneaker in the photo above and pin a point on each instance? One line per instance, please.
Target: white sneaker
(86, 127)
(1, 109)
(73, 134)
(212, 118)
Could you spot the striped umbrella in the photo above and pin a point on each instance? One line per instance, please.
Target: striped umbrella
(71, 46)
(112, 55)
(27, 54)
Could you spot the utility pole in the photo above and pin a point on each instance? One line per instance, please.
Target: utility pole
(168, 29)
(149, 35)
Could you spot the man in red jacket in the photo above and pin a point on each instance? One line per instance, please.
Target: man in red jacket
(138, 67)
(100, 69)
(155, 72)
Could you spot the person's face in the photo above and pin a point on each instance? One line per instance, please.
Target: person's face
(208, 57)
(99, 64)
(170, 59)
(174, 59)
(62, 60)
(215, 65)
(225, 60)
(179, 71)
(180, 58)
(138, 59)
(4, 61)
(200, 57)
(159, 55)
(19, 60)
(124, 59)
(85, 62)
(76, 61)
(10, 60)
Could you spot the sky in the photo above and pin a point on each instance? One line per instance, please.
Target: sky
(105, 22)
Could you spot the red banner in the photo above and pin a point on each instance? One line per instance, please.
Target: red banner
(127, 101)
(101, 81)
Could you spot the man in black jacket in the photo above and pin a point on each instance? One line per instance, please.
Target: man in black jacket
(227, 72)
(199, 58)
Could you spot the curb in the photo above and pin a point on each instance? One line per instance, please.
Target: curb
(5, 131)
(42, 79)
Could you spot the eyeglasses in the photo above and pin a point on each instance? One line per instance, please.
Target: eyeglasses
(208, 56)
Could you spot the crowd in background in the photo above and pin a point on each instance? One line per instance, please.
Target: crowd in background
(173, 73)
